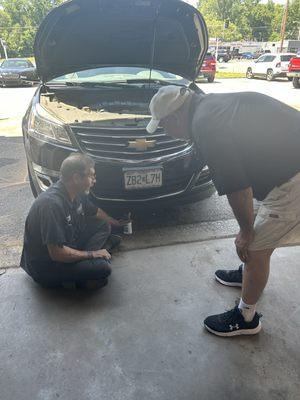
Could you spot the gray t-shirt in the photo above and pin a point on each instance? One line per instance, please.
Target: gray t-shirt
(247, 139)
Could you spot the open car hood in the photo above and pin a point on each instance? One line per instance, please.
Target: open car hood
(167, 35)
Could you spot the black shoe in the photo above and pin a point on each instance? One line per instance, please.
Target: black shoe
(112, 242)
(231, 277)
(232, 323)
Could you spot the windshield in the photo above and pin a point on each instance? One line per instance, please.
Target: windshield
(120, 74)
(18, 64)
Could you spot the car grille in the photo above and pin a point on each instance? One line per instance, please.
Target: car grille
(11, 76)
(113, 143)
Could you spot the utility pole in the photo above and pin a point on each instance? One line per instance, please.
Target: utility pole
(283, 25)
(3, 43)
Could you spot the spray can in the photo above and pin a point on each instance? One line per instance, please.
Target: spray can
(127, 228)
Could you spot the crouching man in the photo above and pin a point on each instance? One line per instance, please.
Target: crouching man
(67, 240)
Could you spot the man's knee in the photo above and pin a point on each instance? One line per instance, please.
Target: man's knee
(257, 257)
(99, 268)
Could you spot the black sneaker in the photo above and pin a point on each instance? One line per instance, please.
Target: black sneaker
(232, 323)
(231, 277)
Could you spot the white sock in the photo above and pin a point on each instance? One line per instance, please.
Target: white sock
(247, 310)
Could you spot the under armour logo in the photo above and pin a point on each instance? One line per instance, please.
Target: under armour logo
(232, 327)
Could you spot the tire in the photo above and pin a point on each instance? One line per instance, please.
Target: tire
(296, 83)
(249, 74)
(270, 75)
(290, 78)
(210, 79)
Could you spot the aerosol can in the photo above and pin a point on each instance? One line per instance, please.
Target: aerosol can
(127, 227)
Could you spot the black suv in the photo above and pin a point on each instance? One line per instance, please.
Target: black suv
(100, 62)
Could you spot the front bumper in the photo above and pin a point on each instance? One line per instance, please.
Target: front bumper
(295, 74)
(15, 82)
(182, 182)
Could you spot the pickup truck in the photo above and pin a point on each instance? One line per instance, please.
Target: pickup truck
(294, 70)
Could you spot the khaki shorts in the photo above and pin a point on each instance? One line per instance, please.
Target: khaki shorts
(277, 223)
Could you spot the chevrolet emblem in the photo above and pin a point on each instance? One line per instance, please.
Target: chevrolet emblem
(141, 144)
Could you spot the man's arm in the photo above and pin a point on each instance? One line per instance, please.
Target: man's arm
(102, 215)
(241, 203)
(66, 254)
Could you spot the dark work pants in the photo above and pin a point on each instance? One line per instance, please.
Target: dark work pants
(92, 238)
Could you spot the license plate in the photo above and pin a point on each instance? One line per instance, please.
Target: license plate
(143, 178)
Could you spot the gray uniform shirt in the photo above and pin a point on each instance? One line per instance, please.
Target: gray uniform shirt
(247, 139)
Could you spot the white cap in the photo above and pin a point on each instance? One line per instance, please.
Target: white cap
(166, 101)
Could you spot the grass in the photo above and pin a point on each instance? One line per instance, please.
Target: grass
(223, 74)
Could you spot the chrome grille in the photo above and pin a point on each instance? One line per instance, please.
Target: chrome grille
(114, 142)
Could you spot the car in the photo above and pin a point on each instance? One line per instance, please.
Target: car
(99, 68)
(247, 55)
(270, 66)
(294, 70)
(208, 69)
(17, 72)
(223, 55)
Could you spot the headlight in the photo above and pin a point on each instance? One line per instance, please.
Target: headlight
(43, 125)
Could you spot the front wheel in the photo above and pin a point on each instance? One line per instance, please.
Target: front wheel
(296, 83)
(249, 73)
(270, 75)
(210, 79)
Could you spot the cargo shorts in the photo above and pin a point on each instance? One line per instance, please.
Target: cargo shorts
(277, 223)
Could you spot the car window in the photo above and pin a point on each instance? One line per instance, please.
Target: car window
(269, 58)
(286, 57)
(261, 59)
(115, 74)
(18, 64)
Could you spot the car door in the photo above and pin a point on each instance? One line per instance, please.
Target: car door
(268, 64)
(258, 65)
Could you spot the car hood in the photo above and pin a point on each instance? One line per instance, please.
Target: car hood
(167, 35)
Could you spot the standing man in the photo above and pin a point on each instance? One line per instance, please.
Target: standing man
(67, 240)
(251, 144)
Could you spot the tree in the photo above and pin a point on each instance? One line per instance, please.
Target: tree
(251, 19)
(19, 21)
(293, 21)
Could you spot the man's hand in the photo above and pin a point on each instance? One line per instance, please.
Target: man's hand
(118, 223)
(242, 243)
(101, 254)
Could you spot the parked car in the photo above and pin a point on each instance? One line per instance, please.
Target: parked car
(17, 71)
(208, 69)
(294, 71)
(100, 67)
(247, 55)
(223, 56)
(270, 66)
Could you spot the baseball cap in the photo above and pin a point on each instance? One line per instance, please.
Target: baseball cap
(167, 100)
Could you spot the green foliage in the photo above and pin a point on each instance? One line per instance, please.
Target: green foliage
(249, 19)
(19, 21)
(293, 21)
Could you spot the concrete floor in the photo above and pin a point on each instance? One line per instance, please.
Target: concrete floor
(142, 337)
